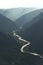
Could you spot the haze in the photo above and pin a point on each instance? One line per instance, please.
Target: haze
(6, 4)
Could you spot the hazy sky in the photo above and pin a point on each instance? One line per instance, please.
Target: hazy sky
(20, 3)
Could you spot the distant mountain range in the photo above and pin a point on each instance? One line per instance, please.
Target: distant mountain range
(21, 15)
(6, 25)
(15, 13)
(28, 17)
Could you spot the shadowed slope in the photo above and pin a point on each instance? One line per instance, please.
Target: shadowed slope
(6, 25)
(34, 34)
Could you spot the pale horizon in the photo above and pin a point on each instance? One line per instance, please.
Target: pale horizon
(6, 4)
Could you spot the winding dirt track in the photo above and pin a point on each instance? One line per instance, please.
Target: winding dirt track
(20, 40)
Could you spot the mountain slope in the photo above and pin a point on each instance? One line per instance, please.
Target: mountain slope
(10, 52)
(34, 20)
(6, 25)
(15, 13)
(34, 34)
(8, 49)
(28, 17)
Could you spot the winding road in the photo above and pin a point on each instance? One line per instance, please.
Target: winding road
(20, 40)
